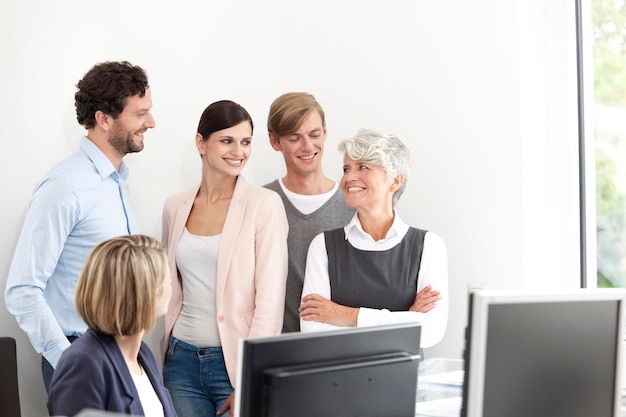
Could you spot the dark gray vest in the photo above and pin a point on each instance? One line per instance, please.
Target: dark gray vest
(374, 279)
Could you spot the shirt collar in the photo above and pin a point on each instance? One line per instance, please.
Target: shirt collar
(398, 228)
(103, 165)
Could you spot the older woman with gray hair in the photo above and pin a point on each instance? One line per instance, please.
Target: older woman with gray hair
(376, 270)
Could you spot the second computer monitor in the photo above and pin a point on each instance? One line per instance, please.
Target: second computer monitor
(544, 354)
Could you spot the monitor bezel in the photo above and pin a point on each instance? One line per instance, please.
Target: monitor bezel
(481, 300)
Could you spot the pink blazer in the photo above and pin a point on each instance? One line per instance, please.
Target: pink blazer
(251, 266)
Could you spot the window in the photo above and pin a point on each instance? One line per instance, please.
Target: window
(605, 117)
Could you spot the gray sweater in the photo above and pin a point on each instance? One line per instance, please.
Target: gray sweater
(302, 229)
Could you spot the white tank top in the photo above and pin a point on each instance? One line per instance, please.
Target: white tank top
(196, 259)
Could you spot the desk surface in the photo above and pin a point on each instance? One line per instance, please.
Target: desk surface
(439, 388)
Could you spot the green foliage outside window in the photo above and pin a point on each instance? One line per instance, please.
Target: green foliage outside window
(609, 72)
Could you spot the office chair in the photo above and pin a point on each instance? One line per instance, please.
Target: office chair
(9, 391)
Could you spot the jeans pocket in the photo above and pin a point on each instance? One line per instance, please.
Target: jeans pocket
(171, 346)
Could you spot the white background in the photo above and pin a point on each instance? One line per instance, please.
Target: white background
(483, 91)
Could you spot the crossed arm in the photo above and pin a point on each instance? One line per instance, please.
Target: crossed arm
(430, 307)
(314, 307)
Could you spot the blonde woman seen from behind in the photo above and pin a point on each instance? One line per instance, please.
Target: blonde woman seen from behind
(124, 286)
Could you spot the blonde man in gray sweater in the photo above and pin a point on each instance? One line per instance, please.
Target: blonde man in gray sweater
(313, 202)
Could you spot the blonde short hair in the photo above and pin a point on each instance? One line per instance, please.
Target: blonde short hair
(288, 112)
(119, 285)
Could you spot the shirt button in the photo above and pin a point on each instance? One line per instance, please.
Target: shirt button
(220, 318)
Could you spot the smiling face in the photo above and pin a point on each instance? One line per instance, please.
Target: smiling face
(227, 151)
(303, 149)
(126, 133)
(365, 186)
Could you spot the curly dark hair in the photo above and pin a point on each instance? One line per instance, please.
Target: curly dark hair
(106, 87)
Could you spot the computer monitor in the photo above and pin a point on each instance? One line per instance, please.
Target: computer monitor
(364, 372)
(543, 353)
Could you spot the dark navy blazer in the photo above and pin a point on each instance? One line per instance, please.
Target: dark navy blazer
(92, 373)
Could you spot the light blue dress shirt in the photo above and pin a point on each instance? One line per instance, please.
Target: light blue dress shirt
(79, 203)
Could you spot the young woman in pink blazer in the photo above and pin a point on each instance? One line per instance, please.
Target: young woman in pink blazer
(227, 249)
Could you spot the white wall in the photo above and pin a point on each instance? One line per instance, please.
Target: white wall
(483, 92)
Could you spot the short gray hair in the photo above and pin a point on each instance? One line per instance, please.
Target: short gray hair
(383, 149)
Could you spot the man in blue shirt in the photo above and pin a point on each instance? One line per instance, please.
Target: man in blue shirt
(77, 204)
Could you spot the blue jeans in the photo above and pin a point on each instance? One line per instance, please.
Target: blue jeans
(196, 378)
